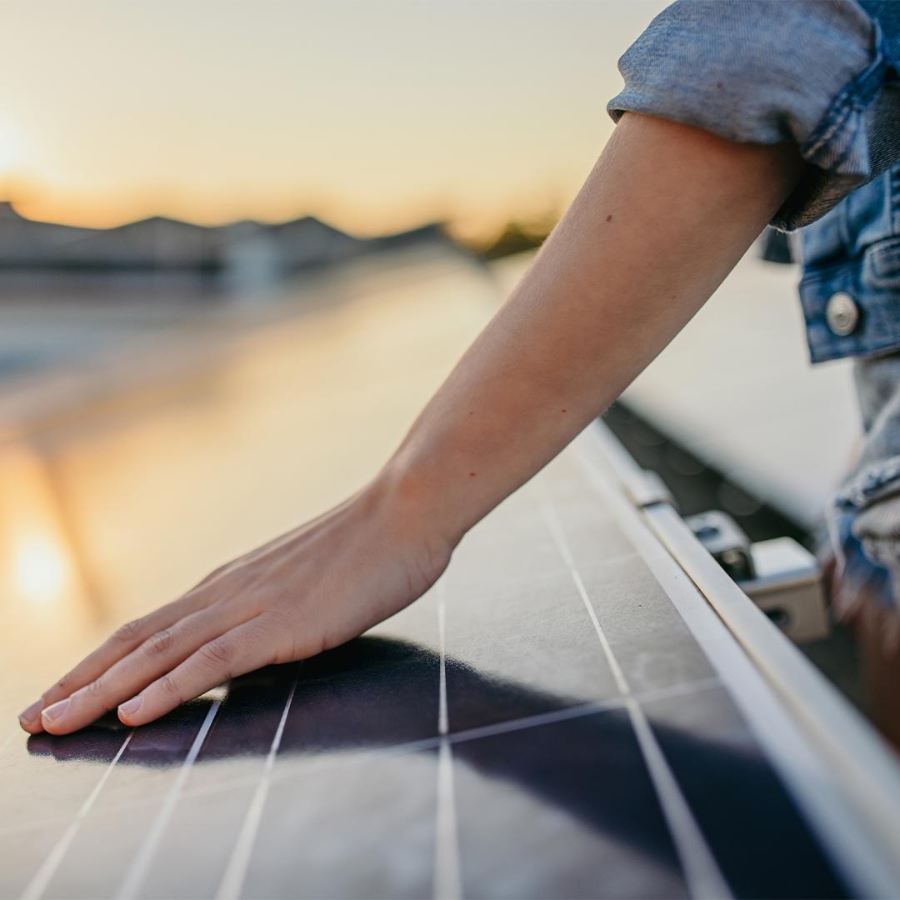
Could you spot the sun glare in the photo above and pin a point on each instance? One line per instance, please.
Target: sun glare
(40, 569)
(38, 566)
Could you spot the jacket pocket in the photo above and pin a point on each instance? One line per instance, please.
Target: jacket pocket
(881, 265)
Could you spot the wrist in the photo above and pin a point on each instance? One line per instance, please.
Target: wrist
(417, 504)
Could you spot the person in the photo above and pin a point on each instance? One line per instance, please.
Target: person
(733, 115)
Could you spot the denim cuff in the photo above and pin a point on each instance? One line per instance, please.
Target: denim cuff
(809, 72)
(870, 485)
(876, 475)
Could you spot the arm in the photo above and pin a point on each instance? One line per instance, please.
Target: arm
(666, 213)
(664, 216)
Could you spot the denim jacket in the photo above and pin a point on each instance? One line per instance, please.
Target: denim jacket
(824, 74)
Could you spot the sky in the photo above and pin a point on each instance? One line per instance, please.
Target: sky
(377, 115)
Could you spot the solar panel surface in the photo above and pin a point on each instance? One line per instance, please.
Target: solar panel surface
(542, 723)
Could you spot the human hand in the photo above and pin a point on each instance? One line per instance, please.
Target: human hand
(305, 592)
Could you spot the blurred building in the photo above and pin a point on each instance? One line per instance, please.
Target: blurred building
(161, 251)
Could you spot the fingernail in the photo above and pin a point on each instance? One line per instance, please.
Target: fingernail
(28, 716)
(129, 707)
(52, 713)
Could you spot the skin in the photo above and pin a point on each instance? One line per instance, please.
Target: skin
(666, 213)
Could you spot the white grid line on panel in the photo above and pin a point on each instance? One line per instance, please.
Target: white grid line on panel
(447, 881)
(701, 872)
(140, 865)
(38, 884)
(584, 709)
(233, 879)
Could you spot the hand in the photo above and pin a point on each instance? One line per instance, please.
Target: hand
(307, 591)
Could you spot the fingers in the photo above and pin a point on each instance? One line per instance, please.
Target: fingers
(121, 643)
(160, 653)
(247, 647)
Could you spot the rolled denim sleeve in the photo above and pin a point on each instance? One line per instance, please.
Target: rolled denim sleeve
(812, 72)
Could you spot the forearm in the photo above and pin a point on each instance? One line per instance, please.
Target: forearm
(663, 217)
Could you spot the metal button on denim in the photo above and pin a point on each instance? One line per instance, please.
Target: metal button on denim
(842, 314)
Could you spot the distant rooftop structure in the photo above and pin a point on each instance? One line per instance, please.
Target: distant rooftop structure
(241, 254)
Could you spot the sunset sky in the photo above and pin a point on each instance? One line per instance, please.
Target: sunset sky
(376, 115)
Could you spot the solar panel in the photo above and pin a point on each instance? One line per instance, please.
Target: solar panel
(545, 722)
